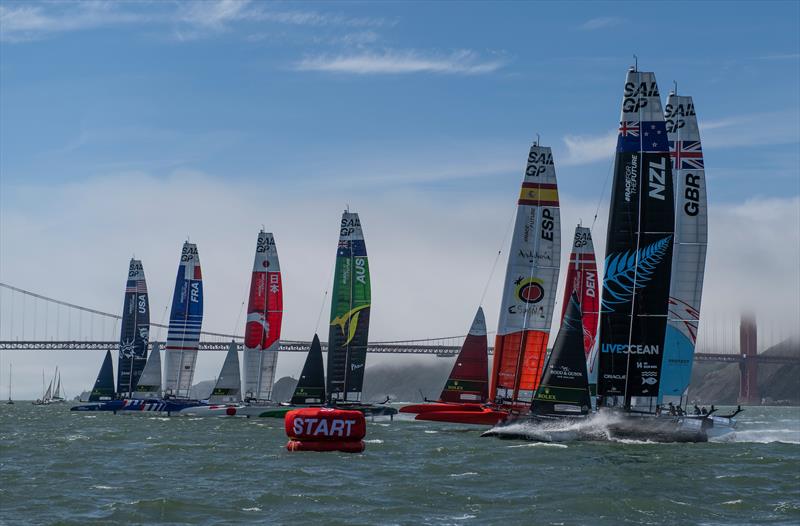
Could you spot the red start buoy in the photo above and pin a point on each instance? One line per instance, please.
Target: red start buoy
(230, 411)
(325, 429)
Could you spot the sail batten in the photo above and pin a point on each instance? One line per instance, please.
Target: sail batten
(185, 321)
(530, 284)
(134, 332)
(264, 319)
(638, 255)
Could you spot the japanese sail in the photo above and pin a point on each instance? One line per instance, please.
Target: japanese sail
(134, 332)
(310, 387)
(264, 316)
(185, 320)
(350, 309)
(149, 384)
(529, 292)
(468, 380)
(689, 249)
(564, 389)
(104, 385)
(228, 387)
(638, 252)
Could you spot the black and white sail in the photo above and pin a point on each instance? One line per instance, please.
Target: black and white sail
(638, 257)
(134, 332)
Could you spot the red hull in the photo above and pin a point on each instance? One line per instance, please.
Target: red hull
(435, 407)
(484, 417)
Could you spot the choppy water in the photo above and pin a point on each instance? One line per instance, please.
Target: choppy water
(58, 467)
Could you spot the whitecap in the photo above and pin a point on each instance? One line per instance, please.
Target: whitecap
(430, 431)
(374, 441)
(251, 509)
(540, 444)
(731, 502)
(467, 474)
(100, 486)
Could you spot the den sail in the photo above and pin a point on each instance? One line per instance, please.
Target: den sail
(134, 331)
(350, 309)
(529, 291)
(689, 249)
(638, 253)
(185, 321)
(264, 317)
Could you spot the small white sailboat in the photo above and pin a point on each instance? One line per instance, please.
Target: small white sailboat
(46, 395)
(57, 397)
(10, 400)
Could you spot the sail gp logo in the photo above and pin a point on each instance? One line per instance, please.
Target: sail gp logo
(348, 322)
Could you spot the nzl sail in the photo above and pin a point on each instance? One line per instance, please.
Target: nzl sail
(350, 306)
(185, 320)
(689, 250)
(310, 387)
(103, 389)
(264, 315)
(229, 383)
(638, 252)
(467, 381)
(529, 292)
(149, 384)
(564, 389)
(134, 332)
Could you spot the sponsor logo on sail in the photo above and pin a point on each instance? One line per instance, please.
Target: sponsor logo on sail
(348, 322)
(622, 348)
(530, 290)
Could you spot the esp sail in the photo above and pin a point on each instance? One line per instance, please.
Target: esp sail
(228, 387)
(564, 389)
(638, 252)
(689, 249)
(310, 387)
(185, 320)
(103, 389)
(149, 384)
(468, 378)
(134, 332)
(264, 316)
(350, 310)
(529, 292)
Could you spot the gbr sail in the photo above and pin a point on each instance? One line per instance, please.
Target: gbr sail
(185, 321)
(638, 252)
(529, 292)
(264, 316)
(135, 330)
(689, 249)
(350, 309)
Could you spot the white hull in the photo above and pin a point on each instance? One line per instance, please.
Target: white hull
(212, 410)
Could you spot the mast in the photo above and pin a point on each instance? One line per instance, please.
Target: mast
(468, 378)
(530, 284)
(689, 250)
(185, 322)
(134, 331)
(350, 311)
(638, 252)
(264, 318)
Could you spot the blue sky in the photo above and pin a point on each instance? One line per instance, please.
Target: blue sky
(125, 127)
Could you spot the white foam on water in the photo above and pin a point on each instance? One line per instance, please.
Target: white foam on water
(464, 517)
(374, 441)
(592, 428)
(430, 431)
(251, 509)
(762, 436)
(89, 416)
(100, 486)
(467, 474)
(732, 502)
(541, 444)
(72, 438)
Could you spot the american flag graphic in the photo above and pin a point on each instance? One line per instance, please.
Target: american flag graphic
(629, 129)
(686, 155)
(136, 285)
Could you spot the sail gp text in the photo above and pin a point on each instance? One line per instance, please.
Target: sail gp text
(322, 427)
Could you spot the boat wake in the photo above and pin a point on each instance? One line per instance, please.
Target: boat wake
(762, 436)
(595, 427)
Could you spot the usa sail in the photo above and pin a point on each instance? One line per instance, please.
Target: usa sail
(529, 292)
(638, 252)
(310, 387)
(350, 309)
(185, 321)
(468, 378)
(228, 388)
(689, 249)
(149, 384)
(564, 389)
(134, 332)
(264, 317)
(104, 385)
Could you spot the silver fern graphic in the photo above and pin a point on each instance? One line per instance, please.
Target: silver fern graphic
(622, 278)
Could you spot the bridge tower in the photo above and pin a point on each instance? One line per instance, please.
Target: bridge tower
(748, 366)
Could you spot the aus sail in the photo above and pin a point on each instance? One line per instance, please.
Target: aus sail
(264, 317)
(134, 333)
(638, 252)
(185, 321)
(689, 249)
(529, 290)
(350, 310)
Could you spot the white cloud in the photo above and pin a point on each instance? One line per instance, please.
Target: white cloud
(586, 149)
(752, 129)
(32, 22)
(602, 22)
(462, 62)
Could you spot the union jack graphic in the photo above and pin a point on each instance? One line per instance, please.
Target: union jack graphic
(629, 129)
(686, 155)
